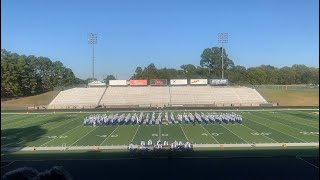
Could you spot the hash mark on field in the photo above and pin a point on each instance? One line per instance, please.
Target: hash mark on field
(61, 134)
(109, 135)
(235, 134)
(83, 136)
(257, 132)
(210, 134)
(184, 133)
(135, 134)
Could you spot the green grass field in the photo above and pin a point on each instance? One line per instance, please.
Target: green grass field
(53, 130)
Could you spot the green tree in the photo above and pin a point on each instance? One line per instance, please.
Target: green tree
(29, 75)
(189, 71)
(109, 77)
(212, 59)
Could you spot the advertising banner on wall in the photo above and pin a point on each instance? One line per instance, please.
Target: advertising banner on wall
(178, 81)
(198, 81)
(218, 82)
(97, 83)
(117, 82)
(158, 82)
(142, 82)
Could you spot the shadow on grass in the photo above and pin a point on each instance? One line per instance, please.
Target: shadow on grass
(220, 164)
(19, 137)
(124, 154)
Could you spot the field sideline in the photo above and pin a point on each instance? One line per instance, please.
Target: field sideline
(49, 130)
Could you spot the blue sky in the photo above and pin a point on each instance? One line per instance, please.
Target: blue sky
(167, 32)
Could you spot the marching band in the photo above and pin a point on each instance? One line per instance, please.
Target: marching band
(112, 119)
(175, 146)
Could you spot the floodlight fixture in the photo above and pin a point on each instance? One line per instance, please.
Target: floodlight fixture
(92, 39)
(222, 38)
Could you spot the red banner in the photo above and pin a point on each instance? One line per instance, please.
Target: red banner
(138, 82)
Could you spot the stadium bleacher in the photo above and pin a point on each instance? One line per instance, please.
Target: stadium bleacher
(143, 96)
(77, 98)
(156, 96)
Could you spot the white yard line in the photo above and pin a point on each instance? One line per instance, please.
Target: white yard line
(159, 133)
(312, 114)
(262, 135)
(8, 164)
(308, 162)
(10, 118)
(83, 136)
(109, 135)
(210, 134)
(38, 132)
(62, 134)
(280, 131)
(21, 120)
(135, 134)
(32, 121)
(281, 123)
(279, 117)
(303, 113)
(184, 133)
(235, 134)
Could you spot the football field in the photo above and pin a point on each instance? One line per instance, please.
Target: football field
(67, 129)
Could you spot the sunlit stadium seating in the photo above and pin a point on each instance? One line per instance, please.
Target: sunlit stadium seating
(77, 98)
(152, 96)
(237, 95)
(209, 95)
(145, 96)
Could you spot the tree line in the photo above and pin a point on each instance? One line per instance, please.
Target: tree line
(23, 75)
(210, 68)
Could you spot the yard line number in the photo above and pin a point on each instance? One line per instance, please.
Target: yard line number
(309, 133)
(261, 134)
(54, 137)
(213, 134)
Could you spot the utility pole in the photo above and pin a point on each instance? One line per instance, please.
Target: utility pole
(92, 39)
(222, 38)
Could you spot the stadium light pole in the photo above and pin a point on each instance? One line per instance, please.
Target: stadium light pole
(92, 39)
(222, 38)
